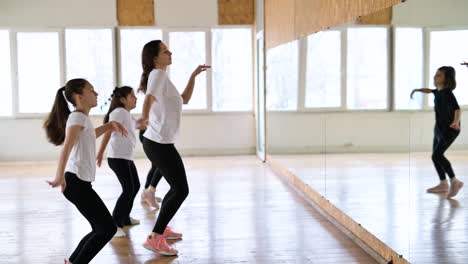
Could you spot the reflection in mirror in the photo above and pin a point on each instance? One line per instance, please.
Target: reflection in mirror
(340, 118)
(296, 135)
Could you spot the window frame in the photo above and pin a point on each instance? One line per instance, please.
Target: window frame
(427, 70)
(117, 67)
(16, 114)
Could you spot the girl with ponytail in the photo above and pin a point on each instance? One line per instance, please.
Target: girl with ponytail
(120, 155)
(76, 168)
(162, 111)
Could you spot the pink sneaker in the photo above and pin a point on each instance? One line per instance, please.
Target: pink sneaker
(159, 245)
(442, 187)
(171, 234)
(148, 197)
(455, 186)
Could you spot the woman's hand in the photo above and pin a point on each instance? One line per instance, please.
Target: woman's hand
(199, 69)
(58, 182)
(116, 126)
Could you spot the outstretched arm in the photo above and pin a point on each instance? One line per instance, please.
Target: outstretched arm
(423, 90)
(110, 126)
(187, 94)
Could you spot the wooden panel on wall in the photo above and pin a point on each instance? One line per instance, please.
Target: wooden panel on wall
(236, 12)
(279, 22)
(382, 17)
(135, 12)
(316, 15)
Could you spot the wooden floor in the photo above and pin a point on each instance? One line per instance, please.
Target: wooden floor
(238, 211)
(386, 194)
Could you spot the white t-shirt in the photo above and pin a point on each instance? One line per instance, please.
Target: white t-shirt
(82, 160)
(166, 111)
(121, 147)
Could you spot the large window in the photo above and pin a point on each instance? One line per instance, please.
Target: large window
(44, 60)
(282, 76)
(408, 67)
(367, 68)
(131, 45)
(323, 76)
(189, 51)
(232, 69)
(89, 55)
(448, 48)
(38, 70)
(5, 74)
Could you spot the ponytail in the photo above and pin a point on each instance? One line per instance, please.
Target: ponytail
(150, 50)
(57, 119)
(117, 94)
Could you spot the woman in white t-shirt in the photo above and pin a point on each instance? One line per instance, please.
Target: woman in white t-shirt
(162, 110)
(77, 167)
(120, 155)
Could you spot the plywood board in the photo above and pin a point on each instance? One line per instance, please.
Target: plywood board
(236, 12)
(135, 12)
(279, 22)
(382, 17)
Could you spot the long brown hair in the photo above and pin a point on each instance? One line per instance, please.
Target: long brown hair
(56, 122)
(150, 50)
(117, 94)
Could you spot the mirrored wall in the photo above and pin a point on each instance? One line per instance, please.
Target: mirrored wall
(340, 118)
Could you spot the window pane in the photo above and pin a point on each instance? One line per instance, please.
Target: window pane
(408, 67)
(282, 77)
(448, 48)
(5, 74)
(189, 51)
(367, 72)
(323, 77)
(131, 45)
(232, 69)
(89, 55)
(38, 71)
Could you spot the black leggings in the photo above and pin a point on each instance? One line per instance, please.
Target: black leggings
(167, 159)
(128, 177)
(442, 142)
(154, 174)
(90, 205)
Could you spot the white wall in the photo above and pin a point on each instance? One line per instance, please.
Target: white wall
(354, 132)
(431, 13)
(210, 134)
(186, 13)
(57, 13)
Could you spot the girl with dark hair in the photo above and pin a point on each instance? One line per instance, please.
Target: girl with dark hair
(120, 155)
(162, 110)
(76, 168)
(446, 130)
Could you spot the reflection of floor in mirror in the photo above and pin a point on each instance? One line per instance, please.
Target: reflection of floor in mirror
(386, 194)
(238, 211)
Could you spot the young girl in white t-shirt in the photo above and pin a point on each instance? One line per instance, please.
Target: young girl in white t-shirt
(77, 168)
(120, 155)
